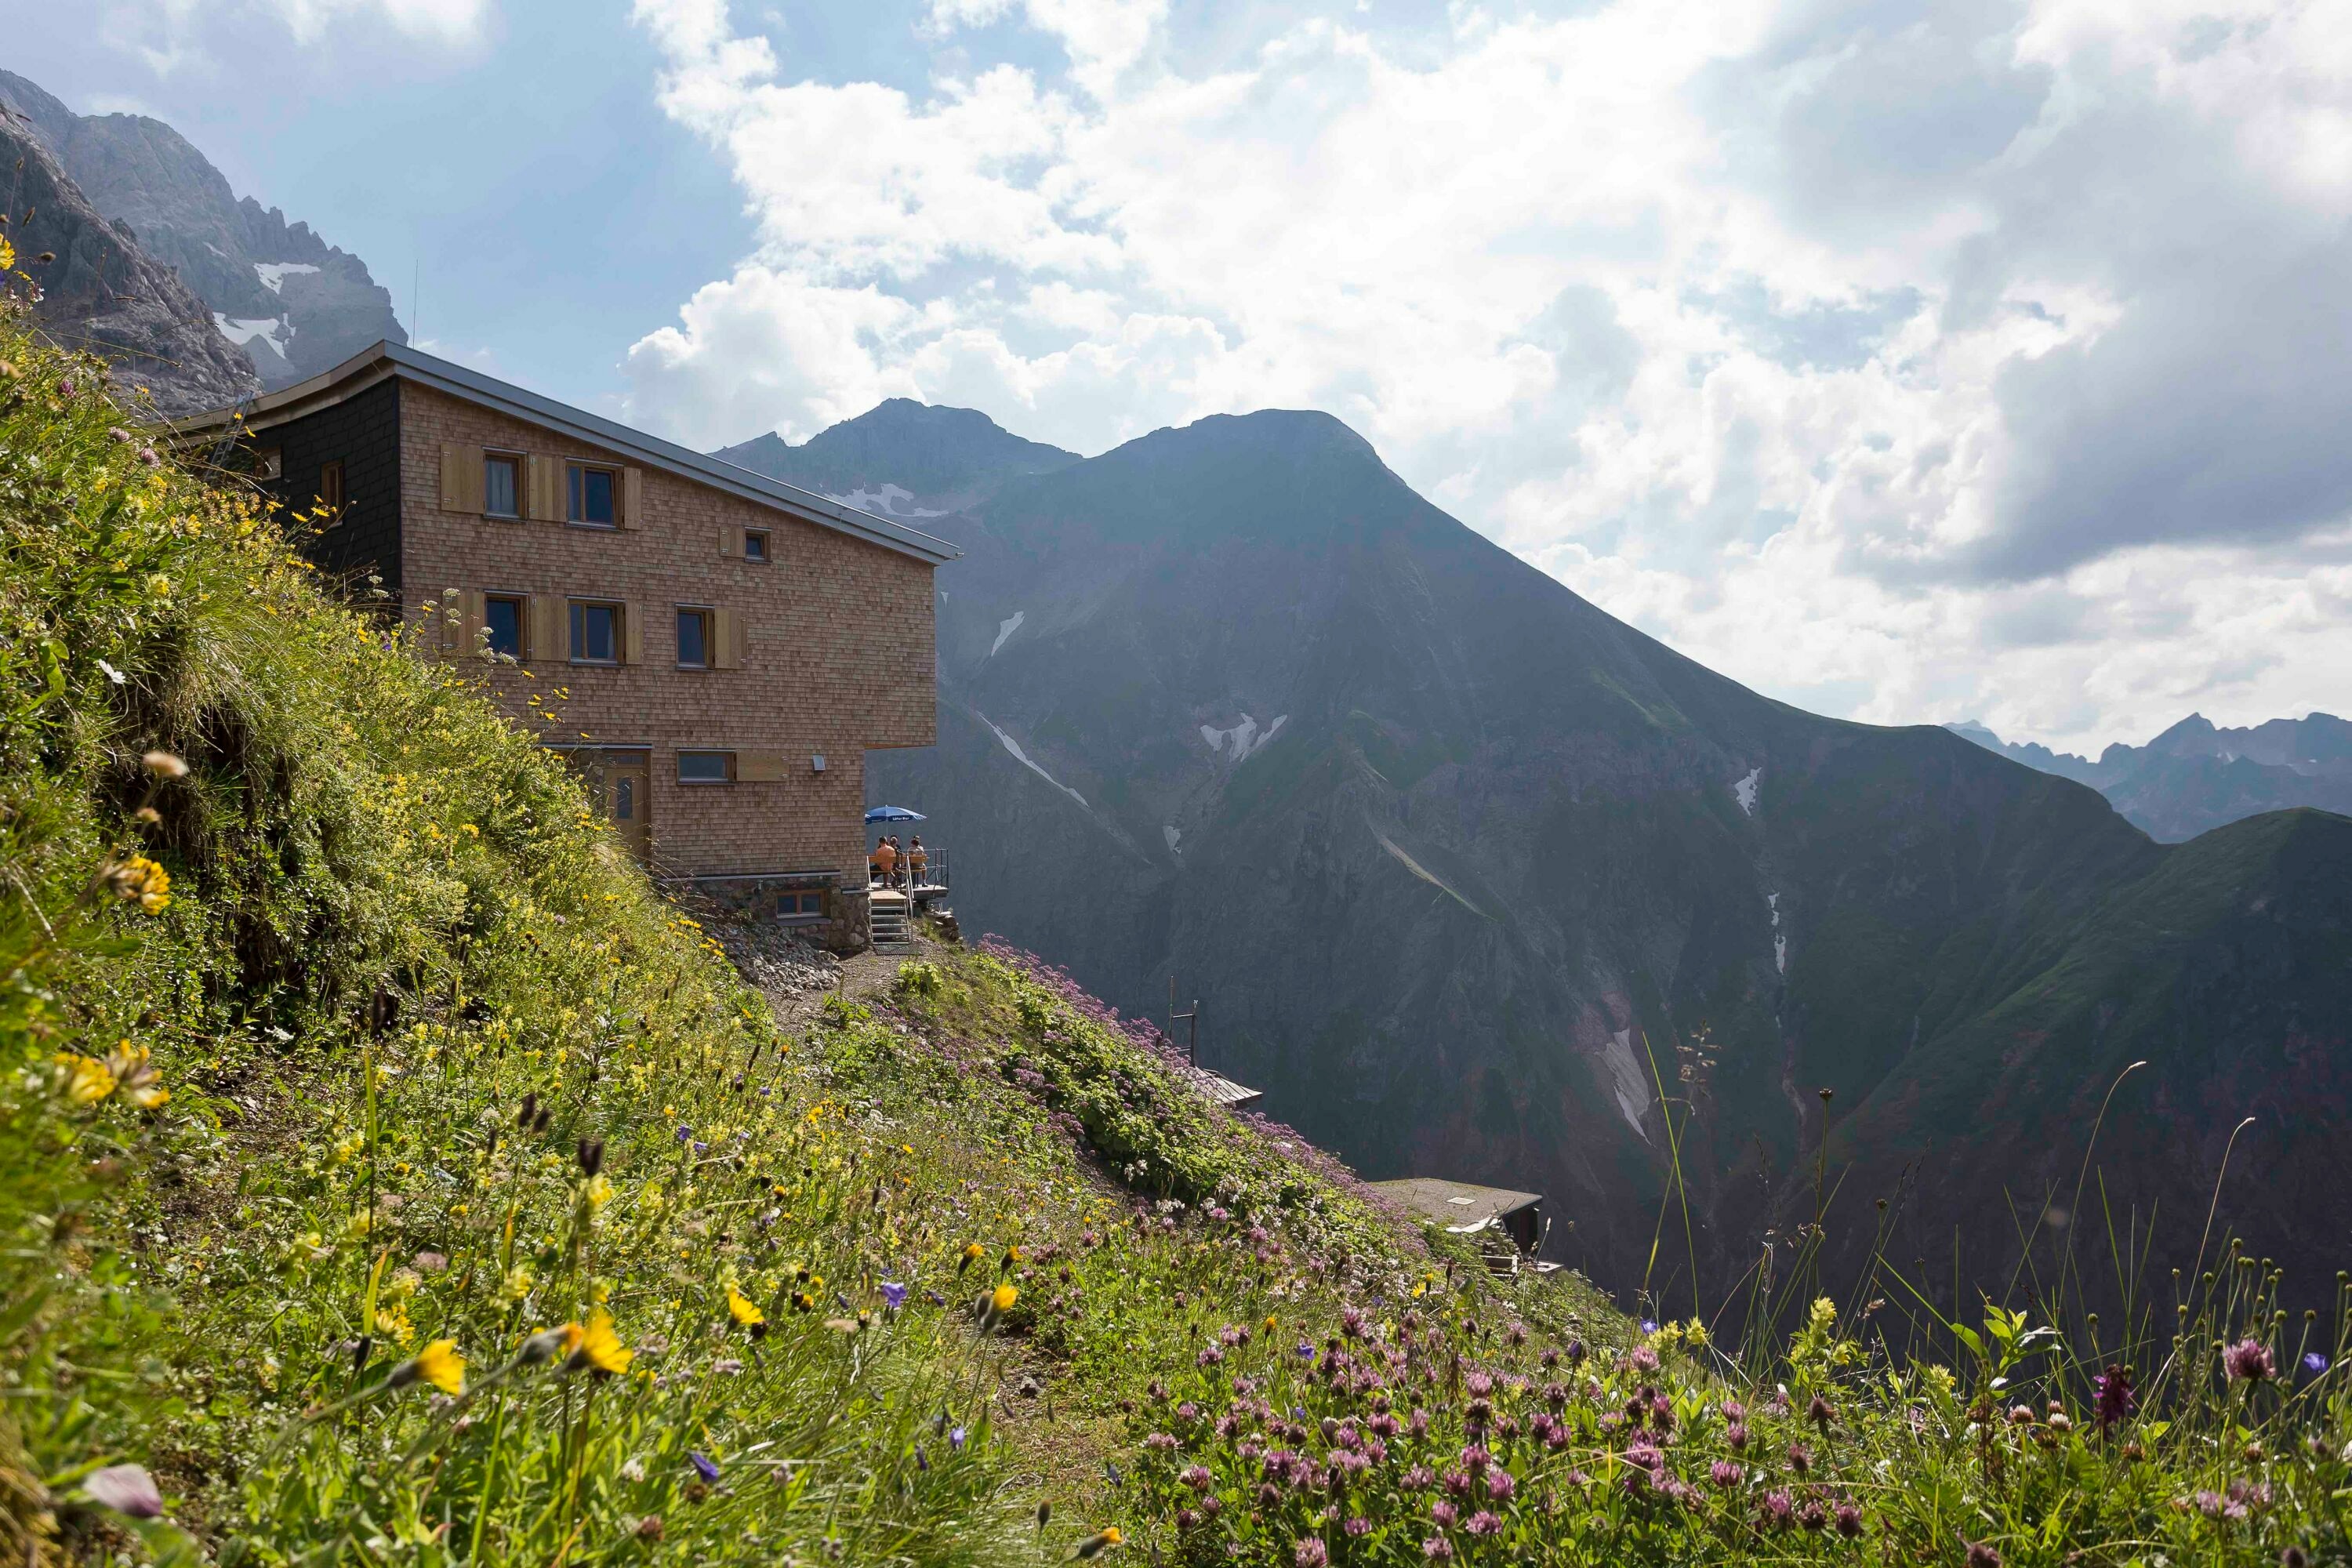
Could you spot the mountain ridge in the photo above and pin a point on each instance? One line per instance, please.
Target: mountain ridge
(2195, 776)
(1465, 870)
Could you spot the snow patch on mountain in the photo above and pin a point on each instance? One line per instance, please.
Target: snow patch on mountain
(1426, 874)
(1744, 790)
(1242, 738)
(1006, 628)
(1631, 1088)
(273, 274)
(243, 331)
(890, 500)
(1022, 757)
(1172, 833)
(1779, 937)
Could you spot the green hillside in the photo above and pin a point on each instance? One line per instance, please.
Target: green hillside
(388, 1175)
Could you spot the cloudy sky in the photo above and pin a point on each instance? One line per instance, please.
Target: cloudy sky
(1909, 361)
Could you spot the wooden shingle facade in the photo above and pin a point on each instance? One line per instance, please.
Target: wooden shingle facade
(713, 650)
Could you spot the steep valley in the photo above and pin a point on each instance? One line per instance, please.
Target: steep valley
(1478, 881)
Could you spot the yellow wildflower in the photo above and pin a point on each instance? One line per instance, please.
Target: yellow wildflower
(597, 1345)
(138, 1078)
(141, 880)
(393, 1319)
(437, 1364)
(1002, 1297)
(440, 1365)
(744, 1310)
(87, 1081)
(598, 1190)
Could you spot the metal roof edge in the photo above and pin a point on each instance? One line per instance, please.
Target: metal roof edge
(473, 386)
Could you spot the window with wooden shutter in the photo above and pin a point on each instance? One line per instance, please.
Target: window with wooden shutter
(633, 498)
(506, 620)
(632, 635)
(730, 543)
(457, 616)
(461, 478)
(547, 501)
(545, 638)
(759, 767)
(725, 639)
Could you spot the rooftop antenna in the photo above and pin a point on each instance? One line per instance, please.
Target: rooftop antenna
(1193, 1050)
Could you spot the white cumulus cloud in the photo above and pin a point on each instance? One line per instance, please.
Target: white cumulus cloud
(1910, 362)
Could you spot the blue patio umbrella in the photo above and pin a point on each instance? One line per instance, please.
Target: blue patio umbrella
(895, 814)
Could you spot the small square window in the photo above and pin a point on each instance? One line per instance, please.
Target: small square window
(808, 904)
(330, 492)
(694, 639)
(592, 496)
(595, 634)
(503, 620)
(501, 485)
(755, 544)
(706, 767)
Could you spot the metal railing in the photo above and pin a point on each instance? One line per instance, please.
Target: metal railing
(932, 880)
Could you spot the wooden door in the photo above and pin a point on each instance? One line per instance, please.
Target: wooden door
(628, 790)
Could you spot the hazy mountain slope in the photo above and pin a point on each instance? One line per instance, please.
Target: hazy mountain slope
(883, 459)
(100, 291)
(1463, 869)
(2195, 777)
(294, 304)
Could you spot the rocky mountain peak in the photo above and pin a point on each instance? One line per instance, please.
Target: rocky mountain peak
(903, 455)
(288, 301)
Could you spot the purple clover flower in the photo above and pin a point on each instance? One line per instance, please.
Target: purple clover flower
(2249, 1361)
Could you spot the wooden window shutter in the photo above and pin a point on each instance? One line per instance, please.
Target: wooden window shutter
(725, 639)
(730, 543)
(476, 606)
(633, 498)
(759, 767)
(633, 634)
(461, 478)
(545, 636)
(548, 501)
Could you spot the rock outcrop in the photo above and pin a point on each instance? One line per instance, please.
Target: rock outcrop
(281, 296)
(99, 291)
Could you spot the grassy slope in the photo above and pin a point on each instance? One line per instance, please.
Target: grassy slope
(404, 991)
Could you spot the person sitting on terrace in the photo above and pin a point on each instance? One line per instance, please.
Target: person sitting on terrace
(918, 861)
(885, 859)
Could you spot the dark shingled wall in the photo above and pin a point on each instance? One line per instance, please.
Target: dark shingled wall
(365, 433)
